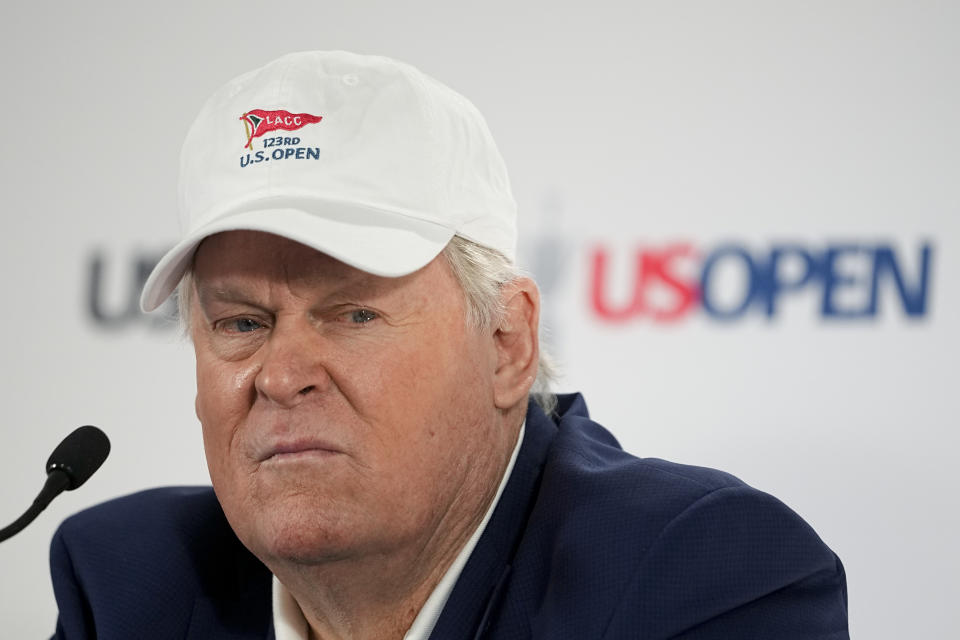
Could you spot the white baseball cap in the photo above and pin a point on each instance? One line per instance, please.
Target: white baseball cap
(361, 157)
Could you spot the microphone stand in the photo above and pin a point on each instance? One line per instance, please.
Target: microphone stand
(57, 482)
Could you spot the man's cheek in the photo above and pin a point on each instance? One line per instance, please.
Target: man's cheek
(203, 408)
(210, 408)
(221, 389)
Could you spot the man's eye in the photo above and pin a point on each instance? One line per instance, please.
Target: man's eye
(361, 316)
(242, 325)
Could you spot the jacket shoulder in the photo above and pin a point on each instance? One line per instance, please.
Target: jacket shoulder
(148, 558)
(658, 549)
(587, 467)
(169, 527)
(174, 507)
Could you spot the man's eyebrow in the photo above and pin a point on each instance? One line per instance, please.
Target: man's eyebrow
(359, 286)
(221, 293)
(365, 284)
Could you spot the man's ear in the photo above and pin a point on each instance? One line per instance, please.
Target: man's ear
(517, 342)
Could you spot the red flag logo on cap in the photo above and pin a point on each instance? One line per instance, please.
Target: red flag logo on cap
(257, 122)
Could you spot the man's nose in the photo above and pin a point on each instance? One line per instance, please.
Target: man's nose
(292, 367)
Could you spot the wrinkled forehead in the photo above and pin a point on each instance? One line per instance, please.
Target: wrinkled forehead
(234, 263)
(261, 255)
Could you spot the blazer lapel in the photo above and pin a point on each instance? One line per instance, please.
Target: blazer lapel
(234, 601)
(475, 602)
(207, 622)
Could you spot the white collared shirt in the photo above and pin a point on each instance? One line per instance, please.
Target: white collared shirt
(290, 624)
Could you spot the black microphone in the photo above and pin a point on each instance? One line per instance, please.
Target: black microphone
(69, 466)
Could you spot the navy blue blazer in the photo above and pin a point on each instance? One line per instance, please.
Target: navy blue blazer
(587, 542)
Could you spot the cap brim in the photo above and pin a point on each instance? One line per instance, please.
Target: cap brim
(378, 242)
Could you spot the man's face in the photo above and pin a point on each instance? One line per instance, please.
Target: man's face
(343, 414)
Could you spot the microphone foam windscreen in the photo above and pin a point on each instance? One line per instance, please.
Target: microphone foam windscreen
(80, 454)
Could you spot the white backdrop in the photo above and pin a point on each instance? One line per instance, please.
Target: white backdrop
(629, 128)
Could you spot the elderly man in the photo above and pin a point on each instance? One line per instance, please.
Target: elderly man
(385, 458)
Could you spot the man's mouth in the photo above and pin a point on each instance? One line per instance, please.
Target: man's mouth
(298, 450)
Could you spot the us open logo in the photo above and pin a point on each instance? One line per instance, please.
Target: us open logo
(258, 122)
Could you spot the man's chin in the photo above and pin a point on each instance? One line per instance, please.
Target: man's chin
(299, 529)
(290, 542)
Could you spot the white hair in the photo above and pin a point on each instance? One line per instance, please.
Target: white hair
(481, 272)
